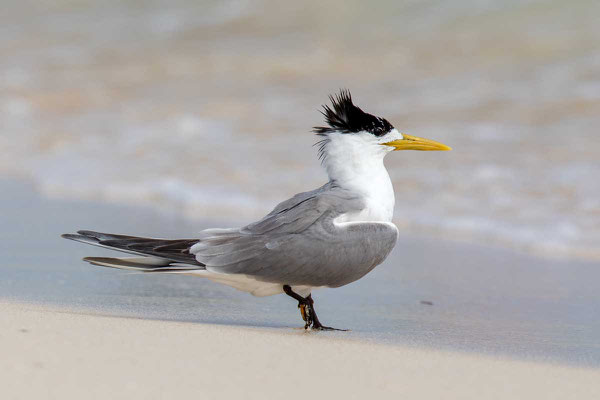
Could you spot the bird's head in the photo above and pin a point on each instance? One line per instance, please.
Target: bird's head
(351, 130)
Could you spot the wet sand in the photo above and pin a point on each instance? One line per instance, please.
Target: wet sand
(429, 293)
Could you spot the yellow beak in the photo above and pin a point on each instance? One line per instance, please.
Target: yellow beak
(416, 143)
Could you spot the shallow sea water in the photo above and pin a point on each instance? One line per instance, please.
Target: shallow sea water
(428, 293)
(206, 107)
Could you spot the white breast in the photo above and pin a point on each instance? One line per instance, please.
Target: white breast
(378, 197)
(355, 163)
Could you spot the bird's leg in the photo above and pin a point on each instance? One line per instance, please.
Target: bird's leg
(316, 324)
(303, 305)
(307, 310)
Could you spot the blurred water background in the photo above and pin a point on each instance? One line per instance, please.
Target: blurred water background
(206, 107)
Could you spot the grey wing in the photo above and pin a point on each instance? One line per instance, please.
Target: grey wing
(299, 243)
(334, 255)
(294, 214)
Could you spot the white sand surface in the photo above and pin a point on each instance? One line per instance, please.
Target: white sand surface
(52, 353)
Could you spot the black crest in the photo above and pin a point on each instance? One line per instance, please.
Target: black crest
(343, 116)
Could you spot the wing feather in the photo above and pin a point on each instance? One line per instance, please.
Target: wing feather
(291, 244)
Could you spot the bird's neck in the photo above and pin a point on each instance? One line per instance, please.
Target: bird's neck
(361, 171)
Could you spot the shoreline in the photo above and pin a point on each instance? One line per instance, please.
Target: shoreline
(52, 353)
(406, 228)
(432, 294)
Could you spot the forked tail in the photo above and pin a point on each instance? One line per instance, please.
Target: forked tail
(154, 255)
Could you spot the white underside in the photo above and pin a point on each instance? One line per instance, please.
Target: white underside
(241, 282)
(247, 283)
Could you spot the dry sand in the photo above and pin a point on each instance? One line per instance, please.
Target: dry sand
(49, 353)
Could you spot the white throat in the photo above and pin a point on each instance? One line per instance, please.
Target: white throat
(355, 163)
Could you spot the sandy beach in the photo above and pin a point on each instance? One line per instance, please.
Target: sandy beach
(49, 353)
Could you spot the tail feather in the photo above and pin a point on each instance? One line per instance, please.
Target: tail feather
(167, 251)
(142, 264)
(166, 256)
(106, 236)
(94, 242)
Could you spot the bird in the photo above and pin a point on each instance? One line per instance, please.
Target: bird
(324, 238)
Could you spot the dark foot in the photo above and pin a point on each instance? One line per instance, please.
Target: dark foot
(316, 326)
(326, 328)
(307, 311)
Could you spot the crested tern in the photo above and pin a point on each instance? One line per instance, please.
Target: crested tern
(327, 237)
